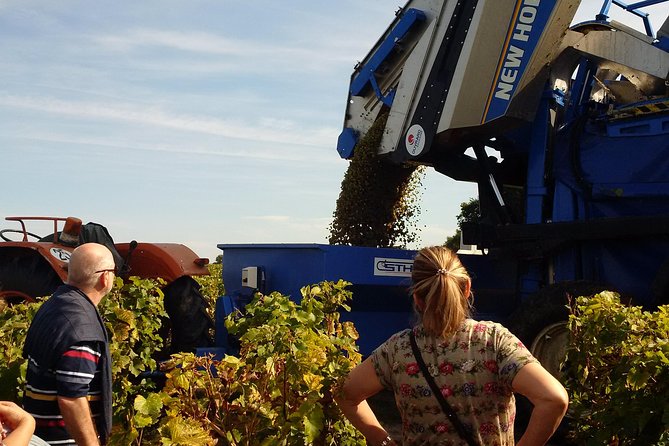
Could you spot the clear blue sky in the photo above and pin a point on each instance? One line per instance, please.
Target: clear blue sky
(198, 122)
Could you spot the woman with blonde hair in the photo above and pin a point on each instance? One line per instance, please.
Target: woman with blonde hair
(472, 370)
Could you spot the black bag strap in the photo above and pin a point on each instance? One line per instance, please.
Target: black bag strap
(448, 410)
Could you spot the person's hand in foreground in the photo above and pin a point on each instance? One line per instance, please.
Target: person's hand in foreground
(16, 424)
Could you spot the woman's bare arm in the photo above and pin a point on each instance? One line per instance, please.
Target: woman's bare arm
(361, 384)
(550, 402)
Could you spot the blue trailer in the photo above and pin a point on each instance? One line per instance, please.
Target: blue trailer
(379, 278)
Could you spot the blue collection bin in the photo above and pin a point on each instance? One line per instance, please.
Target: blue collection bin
(380, 278)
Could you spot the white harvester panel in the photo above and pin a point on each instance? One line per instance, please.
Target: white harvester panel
(445, 68)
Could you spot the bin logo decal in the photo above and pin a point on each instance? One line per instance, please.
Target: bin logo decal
(392, 267)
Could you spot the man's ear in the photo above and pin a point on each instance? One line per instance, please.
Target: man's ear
(103, 281)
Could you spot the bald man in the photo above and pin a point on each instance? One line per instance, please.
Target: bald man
(68, 382)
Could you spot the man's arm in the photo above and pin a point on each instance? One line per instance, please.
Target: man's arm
(75, 375)
(78, 420)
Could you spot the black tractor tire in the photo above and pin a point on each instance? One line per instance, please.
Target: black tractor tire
(660, 285)
(189, 324)
(27, 274)
(540, 323)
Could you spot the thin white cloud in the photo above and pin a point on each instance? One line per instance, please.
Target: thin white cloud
(266, 131)
(316, 159)
(198, 42)
(318, 54)
(189, 149)
(271, 218)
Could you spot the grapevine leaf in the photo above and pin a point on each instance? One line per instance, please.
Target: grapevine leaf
(313, 423)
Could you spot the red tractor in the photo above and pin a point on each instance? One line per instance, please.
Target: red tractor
(33, 266)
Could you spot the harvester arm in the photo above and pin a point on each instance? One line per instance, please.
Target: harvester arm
(454, 74)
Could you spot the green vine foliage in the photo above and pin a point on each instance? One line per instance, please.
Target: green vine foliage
(379, 202)
(14, 323)
(211, 286)
(132, 311)
(619, 372)
(279, 390)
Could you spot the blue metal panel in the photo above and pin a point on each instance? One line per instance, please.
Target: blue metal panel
(634, 160)
(493, 285)
(288, 267)
(536, 187)
(653, 125)
(629, 190)
(615, 167)
(367, 73)
(346, 143)
(645, 3)
(634, 8)
(380, 279)
(663, 43)
(564, 205)
(580, 90)
(627, 269)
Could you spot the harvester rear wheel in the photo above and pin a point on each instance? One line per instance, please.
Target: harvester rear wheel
(541, 324)
(537, 321)
(25, 277)
(660, 285)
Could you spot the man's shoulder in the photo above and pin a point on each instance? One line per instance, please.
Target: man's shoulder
(68, 293)
(68, 313)
(66, 299)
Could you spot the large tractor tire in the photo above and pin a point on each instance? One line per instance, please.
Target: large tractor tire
(25, 276)
(660, 285)
(541, 324)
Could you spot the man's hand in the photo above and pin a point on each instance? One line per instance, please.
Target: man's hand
(78, 420)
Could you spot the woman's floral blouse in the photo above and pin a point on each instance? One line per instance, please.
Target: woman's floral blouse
(474, 370)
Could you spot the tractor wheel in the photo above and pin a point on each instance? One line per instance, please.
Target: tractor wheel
(188, 319)
(660, 285)
(25, 277)
(541, 324)
(537, 322)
